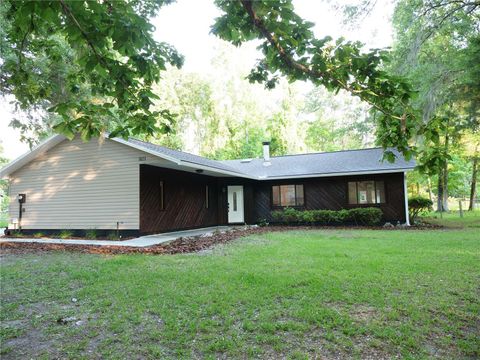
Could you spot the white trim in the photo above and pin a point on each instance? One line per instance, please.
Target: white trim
(215, 170)
(405, 192)
(24, 159)
(187, 164)
(148, 151)
(351, 173)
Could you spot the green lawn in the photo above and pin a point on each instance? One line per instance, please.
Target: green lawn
(301, 294)
(470, 219)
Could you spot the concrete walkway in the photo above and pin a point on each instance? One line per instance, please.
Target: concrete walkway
(141, 241)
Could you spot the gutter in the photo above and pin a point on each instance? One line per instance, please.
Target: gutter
(333, 174)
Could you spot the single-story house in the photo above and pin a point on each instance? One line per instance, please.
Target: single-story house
(143, 188)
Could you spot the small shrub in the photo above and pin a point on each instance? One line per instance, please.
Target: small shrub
(112, 236)
(343, 216)
(362, 216)
(287, 216)
(366, 216)
(38, 235)
(292, 216)
(277, 216)
(418, 205)
(307, 217)
(91, 234)
(262, 222)
(65, 234)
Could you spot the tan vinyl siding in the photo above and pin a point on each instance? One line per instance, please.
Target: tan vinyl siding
(78, 185)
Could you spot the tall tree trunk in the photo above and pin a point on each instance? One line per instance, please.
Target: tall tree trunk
(445, 187)
(430, 195)
(442, 201)
(473, 189)
(442, 198)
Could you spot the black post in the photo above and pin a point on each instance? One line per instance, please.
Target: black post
(21, 200)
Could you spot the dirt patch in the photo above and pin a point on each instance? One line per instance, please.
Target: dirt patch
(364, 313)
(181, 245)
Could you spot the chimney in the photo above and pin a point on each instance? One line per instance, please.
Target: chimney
(266, 153)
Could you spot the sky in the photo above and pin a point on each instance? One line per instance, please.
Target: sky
(186, 25)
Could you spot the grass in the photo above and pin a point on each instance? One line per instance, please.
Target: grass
(300, 294)
(452, 219)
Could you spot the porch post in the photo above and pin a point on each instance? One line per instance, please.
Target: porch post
(407, 218)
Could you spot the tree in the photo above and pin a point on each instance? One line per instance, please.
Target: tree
(3, 186)
(116, 58)
(472, 154)
(473, 186)
(341, 121)
(221, 115)
(437, 48)
(290, 49)
(111, 52)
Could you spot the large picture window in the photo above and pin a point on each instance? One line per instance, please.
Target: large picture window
(287, 195)
(366, 192)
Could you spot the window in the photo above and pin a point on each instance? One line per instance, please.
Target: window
(288, 195)
(234, 201)
(206, 197)
(366, 192)
(161, 198)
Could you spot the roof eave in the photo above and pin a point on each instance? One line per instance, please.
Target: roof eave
(346, 173)
(179, 162)
(24, 159)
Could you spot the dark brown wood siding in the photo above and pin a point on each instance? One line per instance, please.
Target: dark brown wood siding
(184, 200)
(322, 193)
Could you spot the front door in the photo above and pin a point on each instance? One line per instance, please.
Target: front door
(235, 204)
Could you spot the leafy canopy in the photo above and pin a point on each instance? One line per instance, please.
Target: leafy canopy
(115, 60)
(291, 49)
(113, 55)
(437, 48)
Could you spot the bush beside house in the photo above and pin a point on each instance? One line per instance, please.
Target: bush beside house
(418, 205)
(359, 216)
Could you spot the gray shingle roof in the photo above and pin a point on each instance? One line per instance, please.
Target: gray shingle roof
(321, 164)
(313, 164)
(304, 165)
(183, 156)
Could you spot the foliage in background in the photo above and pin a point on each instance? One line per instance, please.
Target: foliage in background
(53, 51)
(437, 48)
(340, 122)
(221, 115)
(290, 49)
(3, 192)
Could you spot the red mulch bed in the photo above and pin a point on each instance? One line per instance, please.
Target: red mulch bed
(181, 245)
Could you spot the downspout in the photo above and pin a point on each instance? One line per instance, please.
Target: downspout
(407, 218)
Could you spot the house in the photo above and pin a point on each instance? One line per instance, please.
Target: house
(139, 187)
